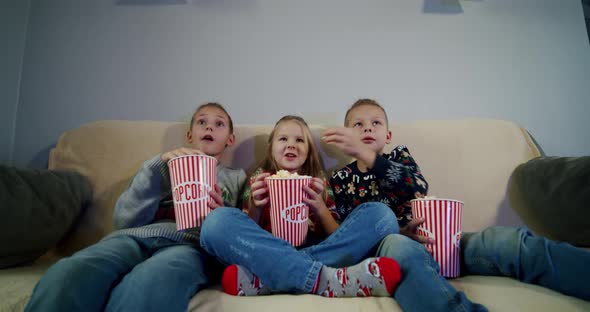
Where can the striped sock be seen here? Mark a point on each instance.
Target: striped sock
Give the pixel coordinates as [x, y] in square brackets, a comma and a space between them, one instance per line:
[238, 281]
[377, 277]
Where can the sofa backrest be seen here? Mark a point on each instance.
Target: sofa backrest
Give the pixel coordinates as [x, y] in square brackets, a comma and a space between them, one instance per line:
[469, 160]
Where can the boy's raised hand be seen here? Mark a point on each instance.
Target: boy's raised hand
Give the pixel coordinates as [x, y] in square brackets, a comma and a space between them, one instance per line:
[180, 152]
[411, 231]
[259, 190]
[216, 199]
[346, 139]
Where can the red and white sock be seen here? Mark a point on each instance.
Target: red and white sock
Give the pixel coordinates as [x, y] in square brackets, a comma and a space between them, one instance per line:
[238, 281]
[377, 277]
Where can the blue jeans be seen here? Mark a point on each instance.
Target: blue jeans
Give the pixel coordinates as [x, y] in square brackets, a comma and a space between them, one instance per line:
[234, 238]
[124, 273]
[497, 251]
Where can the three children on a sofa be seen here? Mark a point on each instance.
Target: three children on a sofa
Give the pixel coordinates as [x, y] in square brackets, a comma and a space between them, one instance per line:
[129, 267]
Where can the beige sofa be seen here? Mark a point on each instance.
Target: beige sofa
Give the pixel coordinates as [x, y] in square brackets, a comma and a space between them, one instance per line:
[470, 160]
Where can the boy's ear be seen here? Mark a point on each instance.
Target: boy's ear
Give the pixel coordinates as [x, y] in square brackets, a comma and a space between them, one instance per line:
[230, 140]
[388, 137]
[189, 136]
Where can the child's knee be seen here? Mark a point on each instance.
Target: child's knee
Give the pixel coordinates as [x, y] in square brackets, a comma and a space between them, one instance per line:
[401, 248]
[215, 224]
[381, 215]
[493, 242]
[376, 209]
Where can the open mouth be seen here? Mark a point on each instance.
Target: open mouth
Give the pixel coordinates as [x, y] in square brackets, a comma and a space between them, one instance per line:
[290, 156]
[207, 138]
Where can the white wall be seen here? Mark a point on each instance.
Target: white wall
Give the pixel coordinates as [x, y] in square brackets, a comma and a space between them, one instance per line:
[522, 60]
[13, 22]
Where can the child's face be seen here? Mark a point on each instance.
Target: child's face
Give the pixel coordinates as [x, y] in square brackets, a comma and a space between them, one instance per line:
[210, 131]
[289, 146]
[369, 121]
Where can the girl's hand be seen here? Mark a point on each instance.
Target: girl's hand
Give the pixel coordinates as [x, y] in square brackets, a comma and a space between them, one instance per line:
[323, 221]
[180, 152]
[315, 201]
[259, 190]
[216, 199]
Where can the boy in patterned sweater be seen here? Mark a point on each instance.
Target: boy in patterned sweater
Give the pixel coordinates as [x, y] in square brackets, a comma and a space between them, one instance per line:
[395, 179]
[391, 178]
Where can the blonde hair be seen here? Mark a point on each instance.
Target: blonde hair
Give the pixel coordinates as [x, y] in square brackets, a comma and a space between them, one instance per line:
[365, 102]
[312, 165]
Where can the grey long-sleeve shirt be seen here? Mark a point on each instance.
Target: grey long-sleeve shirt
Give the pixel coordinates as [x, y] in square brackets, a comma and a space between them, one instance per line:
[150, 190]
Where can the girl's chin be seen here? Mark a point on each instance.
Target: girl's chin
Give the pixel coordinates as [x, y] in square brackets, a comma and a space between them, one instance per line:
[289, 168]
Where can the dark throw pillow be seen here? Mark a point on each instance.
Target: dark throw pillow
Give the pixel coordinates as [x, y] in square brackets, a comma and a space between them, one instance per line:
[552, 196]
[37, 208]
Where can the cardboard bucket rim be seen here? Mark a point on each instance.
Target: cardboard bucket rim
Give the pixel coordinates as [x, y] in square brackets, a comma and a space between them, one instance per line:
[433, 199]
[193, 155]
[291, 178]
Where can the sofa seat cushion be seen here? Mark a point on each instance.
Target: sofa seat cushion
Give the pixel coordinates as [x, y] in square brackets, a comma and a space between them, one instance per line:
[17, 283]
[496, 293]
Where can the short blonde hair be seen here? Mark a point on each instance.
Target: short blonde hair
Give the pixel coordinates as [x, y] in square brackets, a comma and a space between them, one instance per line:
[365, 102]
[216, 105]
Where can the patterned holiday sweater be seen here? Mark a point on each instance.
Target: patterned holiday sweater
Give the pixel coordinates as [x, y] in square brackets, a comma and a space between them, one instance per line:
[265, 217]
[394, 180]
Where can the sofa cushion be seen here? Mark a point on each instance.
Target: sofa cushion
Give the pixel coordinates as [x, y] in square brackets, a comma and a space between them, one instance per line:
[552, 196]
[38, 207]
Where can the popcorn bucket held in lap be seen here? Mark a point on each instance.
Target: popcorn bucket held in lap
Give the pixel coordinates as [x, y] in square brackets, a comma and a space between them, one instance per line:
[443, 223]
[288, 213]
[192, 177]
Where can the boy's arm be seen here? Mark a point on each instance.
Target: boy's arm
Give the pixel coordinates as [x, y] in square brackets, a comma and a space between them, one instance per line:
[400, 177]
[400, 174]
[137, 206]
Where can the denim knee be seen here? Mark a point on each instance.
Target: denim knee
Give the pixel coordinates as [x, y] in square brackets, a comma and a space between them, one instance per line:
[214, 228]
[493, 251]
[401, 248]
[380, 215]
[71, 270]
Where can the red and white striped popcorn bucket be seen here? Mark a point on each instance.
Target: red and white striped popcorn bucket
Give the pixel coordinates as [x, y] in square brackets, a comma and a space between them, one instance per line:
[443, 223]
[288, 213]
[192, 177]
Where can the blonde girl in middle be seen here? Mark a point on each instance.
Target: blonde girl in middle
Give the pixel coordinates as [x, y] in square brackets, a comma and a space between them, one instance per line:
[262, 263]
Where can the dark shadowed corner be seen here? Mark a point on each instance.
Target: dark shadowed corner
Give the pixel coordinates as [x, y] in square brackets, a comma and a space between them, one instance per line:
[40, 160]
